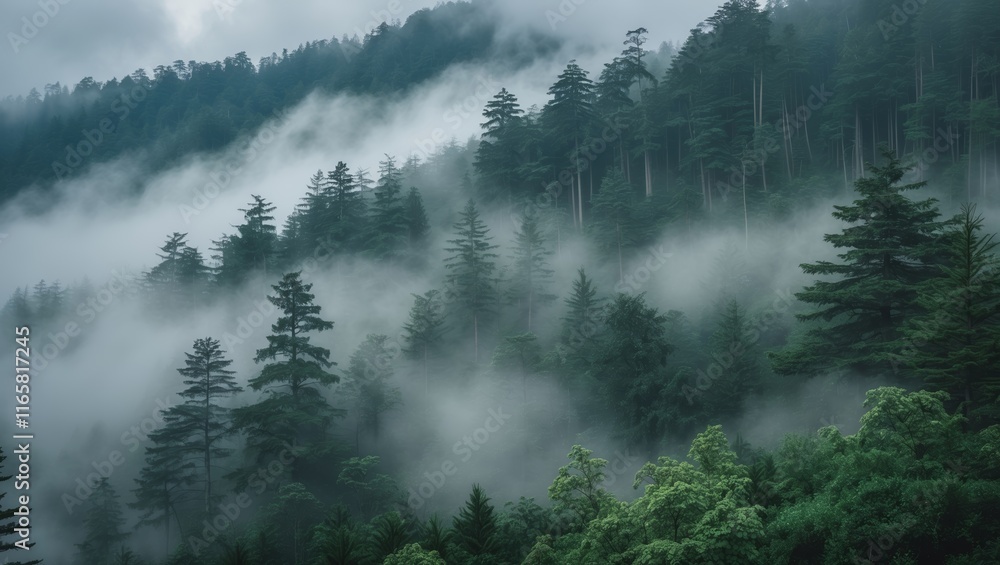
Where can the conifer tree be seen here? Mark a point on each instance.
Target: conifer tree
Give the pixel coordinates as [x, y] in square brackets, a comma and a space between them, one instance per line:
[368, 382]
[389, 228]
[424, 329]
[954, 345]
[293, 415]
[345, 220]
[581, 325]
[613, 225]
[889, 249]
[102, 524]
[476, 525]
[531, 276]
[471, 267]
[416, 221]
[199, 424]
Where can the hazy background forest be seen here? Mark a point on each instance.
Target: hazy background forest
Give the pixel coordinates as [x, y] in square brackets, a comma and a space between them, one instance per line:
[507, 283]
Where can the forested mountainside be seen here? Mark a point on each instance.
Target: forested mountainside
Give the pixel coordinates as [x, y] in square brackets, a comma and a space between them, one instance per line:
[734, 300]
[183, 107]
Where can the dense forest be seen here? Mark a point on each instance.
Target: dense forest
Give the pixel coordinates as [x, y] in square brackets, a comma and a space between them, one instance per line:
[539, 250]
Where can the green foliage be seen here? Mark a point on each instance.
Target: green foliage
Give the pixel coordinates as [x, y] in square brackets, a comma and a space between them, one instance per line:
[294, 415]
[368, 382]
[372, 491]
[413, 554]
[471, 265]
[954, 345]
[103, 525]
[475, 526]
[579, 489]
[531, 276]
[631, 367]
[890, 245]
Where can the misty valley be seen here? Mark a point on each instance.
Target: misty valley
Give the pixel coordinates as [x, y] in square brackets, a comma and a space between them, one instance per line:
[492, 283]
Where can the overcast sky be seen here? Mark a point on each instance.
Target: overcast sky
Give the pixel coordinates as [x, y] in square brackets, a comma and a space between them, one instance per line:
[112, 38]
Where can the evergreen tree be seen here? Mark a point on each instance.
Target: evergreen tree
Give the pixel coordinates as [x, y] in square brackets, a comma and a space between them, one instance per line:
[416, 220]
[739, 359]
[531, 275]
[476, 525]
[613, 227]
[498, 154]
[955, 345]
[389, 229]
[569, 115]
[102, 524]
[368, 383]
[889, 249]
[180, 278]
[631, 368]
[293, 415]
[163, 484]
[471, 266]
[424, 329]
[581, 325]
[345, 221]
[253, 250]
[199, 424]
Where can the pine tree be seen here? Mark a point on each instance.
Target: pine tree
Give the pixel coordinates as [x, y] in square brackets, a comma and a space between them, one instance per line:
[257, 236]
[252, 250]
[305, 225]
[581, 326]
[164, 482]
[955, 345]
[631, 369]
[368, 383]
[179, 280]
[531, 276]
[416, 220]
[613, 225]
[346, 220]
[498, 155]
[471, 266]
[425, 329]
[389, 229]
[740, 361]
[476, 525]
[102, 525]
[890, 246]
[570, 115]
[294, 415]
[199, 424]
